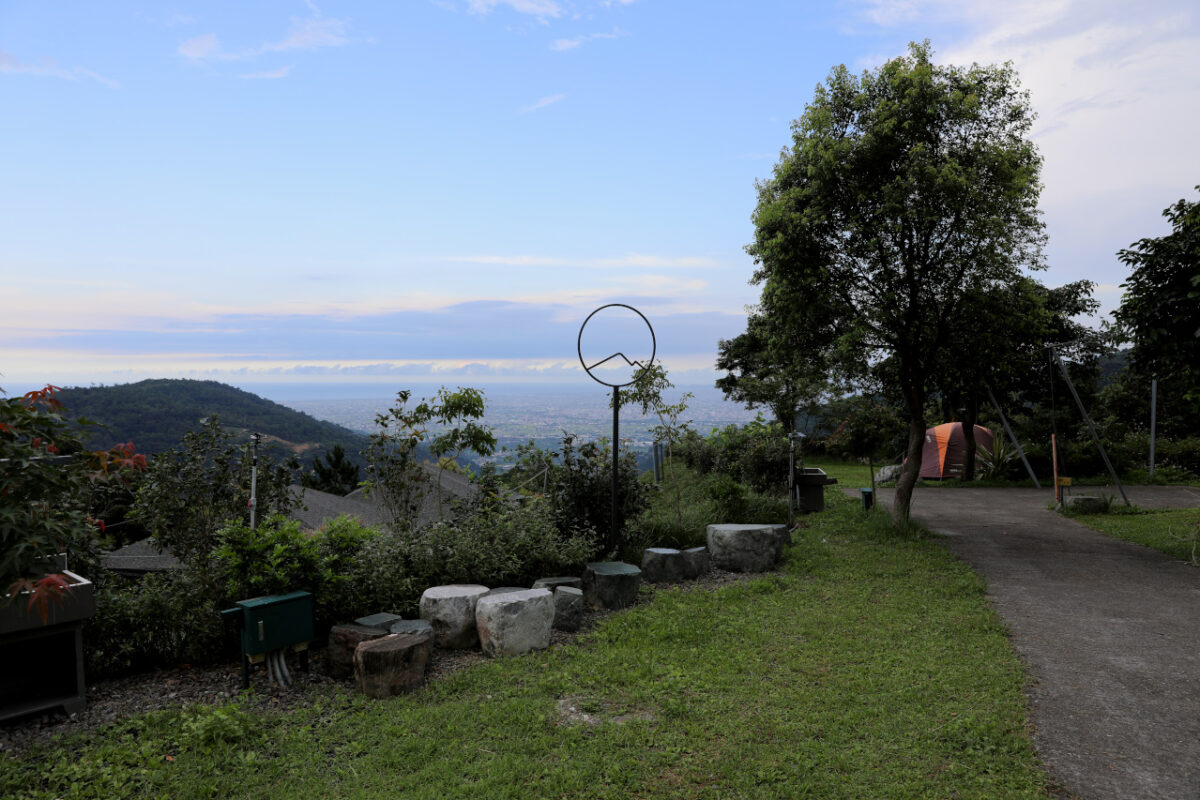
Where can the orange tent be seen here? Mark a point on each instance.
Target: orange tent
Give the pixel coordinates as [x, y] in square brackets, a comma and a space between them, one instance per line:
[945, 452]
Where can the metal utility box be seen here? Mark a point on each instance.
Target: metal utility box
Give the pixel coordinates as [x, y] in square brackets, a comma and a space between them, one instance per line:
[273, 622]
[810, 489]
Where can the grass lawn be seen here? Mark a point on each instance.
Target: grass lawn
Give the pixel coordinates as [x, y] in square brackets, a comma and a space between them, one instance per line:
[866, 668]
[1172, 531]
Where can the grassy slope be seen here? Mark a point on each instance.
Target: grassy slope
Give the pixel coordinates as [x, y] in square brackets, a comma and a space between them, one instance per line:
[866, 668]
[1171, 531]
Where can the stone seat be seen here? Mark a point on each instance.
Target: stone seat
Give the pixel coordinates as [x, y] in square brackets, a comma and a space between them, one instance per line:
[516, 622]
[695, 562]
[662, 565]
[451, 612]
[610, 584]
[568, 608]
[554, 583]
[343, 642]
[746, 548]
[392, 664]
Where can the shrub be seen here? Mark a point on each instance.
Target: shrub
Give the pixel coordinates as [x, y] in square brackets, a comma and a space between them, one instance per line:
[157, 621]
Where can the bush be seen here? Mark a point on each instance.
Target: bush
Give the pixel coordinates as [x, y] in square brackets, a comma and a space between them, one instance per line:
[155, 622]
[511, 545]
[755, 454]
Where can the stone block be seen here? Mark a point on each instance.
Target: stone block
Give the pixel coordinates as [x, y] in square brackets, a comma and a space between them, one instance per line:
[695, 562]
[745, 548]
[610, 584]
[343, 641]
[568, 608]
[512, 623]
[662, 565]
[505, 590]
[420, 626]
[383, 620]
[392, 664]
[451, 612]
[553, 583]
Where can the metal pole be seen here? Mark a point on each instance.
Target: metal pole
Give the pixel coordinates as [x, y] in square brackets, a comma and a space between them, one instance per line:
[791, 476]
[253, 480]
[1012, 436]
[1092, 428]
[1153, 420]
[616, 403]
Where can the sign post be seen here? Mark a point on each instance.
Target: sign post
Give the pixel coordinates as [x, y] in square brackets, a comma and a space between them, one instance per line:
[640, 367]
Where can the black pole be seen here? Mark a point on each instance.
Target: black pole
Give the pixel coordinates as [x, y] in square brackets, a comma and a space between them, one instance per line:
[1013, 436]
[616, 403]
[1091, 428]
[1153, 421]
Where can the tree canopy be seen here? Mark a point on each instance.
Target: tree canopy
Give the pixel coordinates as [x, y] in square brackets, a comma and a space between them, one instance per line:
[905, 191]
[1160, 310]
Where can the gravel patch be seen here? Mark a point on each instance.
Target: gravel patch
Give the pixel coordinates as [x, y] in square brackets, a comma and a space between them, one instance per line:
[115, 700]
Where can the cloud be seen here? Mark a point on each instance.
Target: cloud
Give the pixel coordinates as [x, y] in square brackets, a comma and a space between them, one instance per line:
[537, 8]
[49, 68]
[629, 260]
[273, 74]
[548, 100]
[312, 33]
[563, 45]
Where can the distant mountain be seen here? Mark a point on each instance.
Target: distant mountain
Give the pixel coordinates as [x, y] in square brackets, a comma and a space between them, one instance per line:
[155, 414]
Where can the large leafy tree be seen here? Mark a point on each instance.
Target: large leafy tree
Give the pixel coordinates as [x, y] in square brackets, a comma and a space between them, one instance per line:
[1160, 310]
[784, 370]
[906, 190]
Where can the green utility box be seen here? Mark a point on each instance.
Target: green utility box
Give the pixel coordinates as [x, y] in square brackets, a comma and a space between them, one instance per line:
[273, 622]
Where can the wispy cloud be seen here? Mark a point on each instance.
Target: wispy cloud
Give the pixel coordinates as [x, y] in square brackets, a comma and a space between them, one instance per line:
[562, 45]
[635, 260]
[273, 74]
[538, 8]
[49, 68]
[548, 100]
[312, 33]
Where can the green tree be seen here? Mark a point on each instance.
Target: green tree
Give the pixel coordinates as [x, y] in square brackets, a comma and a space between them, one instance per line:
[866, 429]
[786, 371]
[905, 191]
[192, 491]
[1160, 310]
[394, 464]
[646, 393]
[333, 474]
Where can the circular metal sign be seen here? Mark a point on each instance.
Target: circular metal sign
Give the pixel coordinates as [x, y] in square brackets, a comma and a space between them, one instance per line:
[618, 355]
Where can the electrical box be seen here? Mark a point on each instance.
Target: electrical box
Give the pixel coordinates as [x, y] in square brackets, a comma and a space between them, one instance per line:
[273, 622]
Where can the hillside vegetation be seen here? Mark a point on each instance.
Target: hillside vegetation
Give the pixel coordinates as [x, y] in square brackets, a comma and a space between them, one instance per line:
[155, 414]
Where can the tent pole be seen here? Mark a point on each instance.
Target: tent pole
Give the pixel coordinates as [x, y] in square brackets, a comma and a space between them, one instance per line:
[1012, 436]
[1092, 428]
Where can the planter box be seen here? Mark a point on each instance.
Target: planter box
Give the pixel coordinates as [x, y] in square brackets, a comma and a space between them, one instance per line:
[41, 663]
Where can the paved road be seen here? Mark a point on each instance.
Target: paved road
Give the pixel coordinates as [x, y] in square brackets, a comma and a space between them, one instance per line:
[1109, 631]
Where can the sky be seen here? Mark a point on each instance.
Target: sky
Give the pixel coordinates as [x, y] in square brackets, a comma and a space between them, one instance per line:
[441, 191]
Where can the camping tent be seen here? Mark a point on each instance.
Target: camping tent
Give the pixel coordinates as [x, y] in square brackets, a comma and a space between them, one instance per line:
[945, 452]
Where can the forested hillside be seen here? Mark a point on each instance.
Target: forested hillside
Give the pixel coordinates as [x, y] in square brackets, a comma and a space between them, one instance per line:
[155, 414]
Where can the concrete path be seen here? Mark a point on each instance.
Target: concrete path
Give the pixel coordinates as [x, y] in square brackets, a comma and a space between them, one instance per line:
[1109, 631]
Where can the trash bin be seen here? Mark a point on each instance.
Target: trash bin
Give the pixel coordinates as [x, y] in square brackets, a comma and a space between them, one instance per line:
[810, 489]
[868, 498]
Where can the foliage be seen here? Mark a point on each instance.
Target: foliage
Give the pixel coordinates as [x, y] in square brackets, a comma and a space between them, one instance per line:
[785, 370]
[193, 490]
[1175, 532]
[1160, 309]
[577, 480]
[335, 474]
[670, 431]
[157, 621]
[866, 429]
[904, 192]
[48, 484]
[394, 465]
[755, 454]
[157, 413]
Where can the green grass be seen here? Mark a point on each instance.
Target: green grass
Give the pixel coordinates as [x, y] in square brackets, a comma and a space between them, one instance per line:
[1172, 531]
[849, 474]
[869, 667]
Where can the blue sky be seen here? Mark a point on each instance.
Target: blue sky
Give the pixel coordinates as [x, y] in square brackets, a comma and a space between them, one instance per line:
[442, 190]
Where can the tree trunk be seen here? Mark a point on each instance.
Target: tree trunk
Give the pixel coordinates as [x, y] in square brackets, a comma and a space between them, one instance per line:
[912, 464]
[970, 414]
